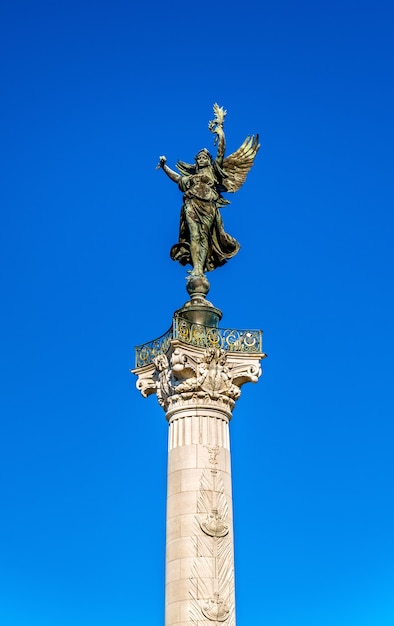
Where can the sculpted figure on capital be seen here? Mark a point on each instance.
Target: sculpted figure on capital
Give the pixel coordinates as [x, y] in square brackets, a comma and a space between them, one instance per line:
[203, 243]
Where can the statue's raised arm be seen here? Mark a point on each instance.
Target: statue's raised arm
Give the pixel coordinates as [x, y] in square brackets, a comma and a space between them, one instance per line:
[216, 127]
[203, 242]
[162, 164]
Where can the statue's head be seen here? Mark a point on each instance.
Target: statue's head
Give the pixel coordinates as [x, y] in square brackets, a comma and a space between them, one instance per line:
[203, 158]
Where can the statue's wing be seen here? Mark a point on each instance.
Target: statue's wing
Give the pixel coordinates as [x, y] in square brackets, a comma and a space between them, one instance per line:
[185, 168]
[237, 165]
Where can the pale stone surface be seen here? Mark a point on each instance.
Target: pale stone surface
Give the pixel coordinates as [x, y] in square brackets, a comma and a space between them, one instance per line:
[175, 485]
[186, 566]
[182, 458]
[173, 527]
[198, 389]
[177, 590]
[192, 550]
[190, 479]
[199, 428]
[184, 501]
[179, 548]
[173, 613]
[173, 571]
[187, 524]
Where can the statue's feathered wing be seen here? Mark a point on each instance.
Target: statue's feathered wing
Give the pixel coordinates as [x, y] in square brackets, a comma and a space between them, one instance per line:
[235, 168]
[237, 165]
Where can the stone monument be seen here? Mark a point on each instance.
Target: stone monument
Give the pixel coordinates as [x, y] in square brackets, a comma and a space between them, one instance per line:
[196, 371]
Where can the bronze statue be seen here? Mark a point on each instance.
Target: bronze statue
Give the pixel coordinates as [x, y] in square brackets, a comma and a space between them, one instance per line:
[203, 242]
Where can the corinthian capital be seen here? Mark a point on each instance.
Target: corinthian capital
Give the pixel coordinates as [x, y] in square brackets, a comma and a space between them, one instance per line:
[187, 374]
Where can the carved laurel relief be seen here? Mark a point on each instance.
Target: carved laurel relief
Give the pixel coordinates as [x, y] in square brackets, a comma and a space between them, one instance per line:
[212, 580]
[212, 504]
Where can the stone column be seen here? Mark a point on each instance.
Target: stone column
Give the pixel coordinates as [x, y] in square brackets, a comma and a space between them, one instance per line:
[198, 388]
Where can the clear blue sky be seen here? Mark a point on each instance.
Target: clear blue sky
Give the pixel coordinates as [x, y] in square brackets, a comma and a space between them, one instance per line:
[91, 94]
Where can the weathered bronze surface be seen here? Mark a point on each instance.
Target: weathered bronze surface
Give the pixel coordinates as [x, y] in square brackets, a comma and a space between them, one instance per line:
[203, 242]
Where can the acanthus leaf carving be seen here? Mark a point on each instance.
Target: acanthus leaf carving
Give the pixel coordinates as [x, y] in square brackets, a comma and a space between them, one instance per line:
[184, 376]
[208, 376]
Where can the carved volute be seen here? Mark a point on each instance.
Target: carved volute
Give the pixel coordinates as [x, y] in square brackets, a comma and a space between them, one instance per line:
[188, 375]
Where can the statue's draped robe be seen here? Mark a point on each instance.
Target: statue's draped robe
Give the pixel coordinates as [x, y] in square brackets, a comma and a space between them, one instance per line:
[201, 200]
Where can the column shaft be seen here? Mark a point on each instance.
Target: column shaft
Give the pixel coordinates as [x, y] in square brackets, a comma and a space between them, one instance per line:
[199, 545]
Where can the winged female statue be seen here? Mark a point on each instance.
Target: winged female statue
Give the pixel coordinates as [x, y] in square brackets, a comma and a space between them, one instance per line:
[203, 242]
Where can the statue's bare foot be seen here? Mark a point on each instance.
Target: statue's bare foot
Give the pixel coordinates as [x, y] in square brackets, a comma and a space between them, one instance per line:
[195, 273]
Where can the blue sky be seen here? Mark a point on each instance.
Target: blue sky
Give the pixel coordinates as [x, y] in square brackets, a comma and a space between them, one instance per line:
[91, 94]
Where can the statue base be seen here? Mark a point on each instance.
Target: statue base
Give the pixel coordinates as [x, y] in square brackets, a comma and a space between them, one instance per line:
[197, 286]
[198, 309]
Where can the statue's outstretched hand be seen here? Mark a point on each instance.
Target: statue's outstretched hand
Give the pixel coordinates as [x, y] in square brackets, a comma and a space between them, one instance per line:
[162, 161]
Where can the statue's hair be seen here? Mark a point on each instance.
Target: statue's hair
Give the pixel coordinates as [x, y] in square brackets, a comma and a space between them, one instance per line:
[206, 151]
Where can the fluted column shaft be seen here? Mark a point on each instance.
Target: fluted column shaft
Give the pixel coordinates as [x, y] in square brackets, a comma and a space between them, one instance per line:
[199, 546]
